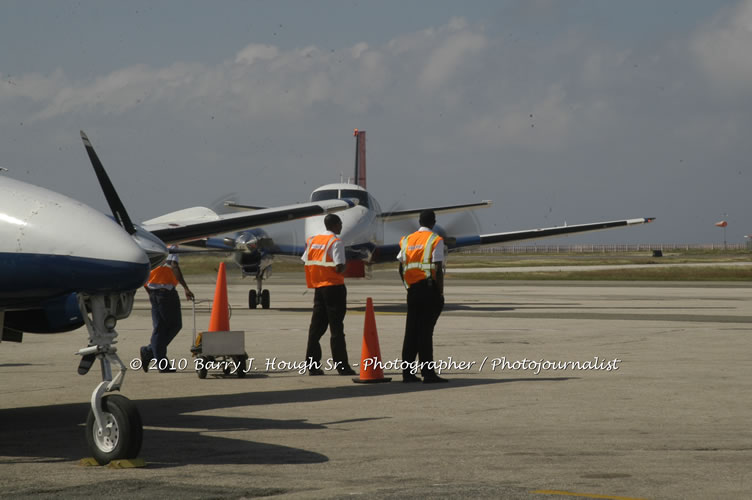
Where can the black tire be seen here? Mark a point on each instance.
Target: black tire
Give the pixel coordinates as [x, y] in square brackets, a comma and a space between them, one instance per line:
[227, 369]
[126, 431]
[252, 299]
[202, 372]
[266, 299]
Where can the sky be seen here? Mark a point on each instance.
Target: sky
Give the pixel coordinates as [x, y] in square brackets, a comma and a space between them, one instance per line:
[557, 111]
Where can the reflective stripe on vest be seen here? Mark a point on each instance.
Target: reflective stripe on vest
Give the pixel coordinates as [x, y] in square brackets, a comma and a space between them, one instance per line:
[417, 249]
[162, 276]
[319, 265]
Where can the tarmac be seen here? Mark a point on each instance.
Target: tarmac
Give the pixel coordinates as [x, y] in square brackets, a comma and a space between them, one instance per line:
[557, 390]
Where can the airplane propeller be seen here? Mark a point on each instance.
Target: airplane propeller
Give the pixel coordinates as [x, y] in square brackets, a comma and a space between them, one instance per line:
[113, 200]
[448, 226]
[152, 246]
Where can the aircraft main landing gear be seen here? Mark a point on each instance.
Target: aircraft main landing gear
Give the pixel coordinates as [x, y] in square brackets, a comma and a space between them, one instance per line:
[113, 427]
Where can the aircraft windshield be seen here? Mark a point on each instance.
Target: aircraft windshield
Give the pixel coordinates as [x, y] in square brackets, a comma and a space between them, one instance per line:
[333, 194]
[325, 194]
[361, 196]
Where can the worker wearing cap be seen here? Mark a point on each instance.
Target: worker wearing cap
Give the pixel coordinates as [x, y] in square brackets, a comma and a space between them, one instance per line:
[422, 259]
[325, 261]
[166, 315]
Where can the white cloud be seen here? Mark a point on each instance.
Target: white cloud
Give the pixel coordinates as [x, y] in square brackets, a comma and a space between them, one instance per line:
[723, 48]
[445, 60]
[266, 81]
[256, 52]
[117, 92]
[545, 124]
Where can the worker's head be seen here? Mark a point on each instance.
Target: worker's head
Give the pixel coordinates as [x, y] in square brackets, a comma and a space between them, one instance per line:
[333, 223]
[427, 218]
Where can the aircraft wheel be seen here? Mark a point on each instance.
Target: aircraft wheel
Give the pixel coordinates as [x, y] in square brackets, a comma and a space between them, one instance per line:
[266, 299]
[123, 431]
[252, 299]
[202, 372]
[227, 369]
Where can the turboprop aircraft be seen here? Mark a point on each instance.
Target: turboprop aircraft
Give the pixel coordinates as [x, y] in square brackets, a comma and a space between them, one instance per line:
[363, 231]
[63, 265]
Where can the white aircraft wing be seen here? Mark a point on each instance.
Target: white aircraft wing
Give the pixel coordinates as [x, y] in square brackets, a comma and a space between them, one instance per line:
[534, 234]
[385, 253]
[199, 222]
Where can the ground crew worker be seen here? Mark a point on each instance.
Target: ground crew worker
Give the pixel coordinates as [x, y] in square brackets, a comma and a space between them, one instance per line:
[421, 259]
[324, 259]
[166, 317]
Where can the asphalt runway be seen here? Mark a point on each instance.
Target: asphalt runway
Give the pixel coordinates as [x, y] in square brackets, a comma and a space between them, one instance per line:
[596, 390]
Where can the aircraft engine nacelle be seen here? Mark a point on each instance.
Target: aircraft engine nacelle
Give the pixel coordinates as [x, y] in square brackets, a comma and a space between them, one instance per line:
[448, 240]
[253, 252]
[56, 315]
[253, 241]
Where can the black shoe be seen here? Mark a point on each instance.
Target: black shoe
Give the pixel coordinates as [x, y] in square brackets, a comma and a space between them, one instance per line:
[346, 370]
[168, 370]
[432, 378]
[408, 378]
[145, 358]
[315, 371]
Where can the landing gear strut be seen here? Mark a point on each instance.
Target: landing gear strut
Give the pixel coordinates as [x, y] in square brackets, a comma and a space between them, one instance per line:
[113, 427]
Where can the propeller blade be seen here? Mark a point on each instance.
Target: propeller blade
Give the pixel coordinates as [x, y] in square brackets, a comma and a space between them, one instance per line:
[113, 200]
[463, 224]
[402, 226]
[219, 205]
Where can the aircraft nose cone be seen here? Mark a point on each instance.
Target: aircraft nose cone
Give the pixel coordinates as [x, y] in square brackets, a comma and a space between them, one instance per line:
[111, 258]
[62, 245]
[154, 248]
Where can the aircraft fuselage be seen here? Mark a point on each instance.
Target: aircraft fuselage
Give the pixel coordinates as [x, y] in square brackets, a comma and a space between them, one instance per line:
[52, 245]
[360, 224]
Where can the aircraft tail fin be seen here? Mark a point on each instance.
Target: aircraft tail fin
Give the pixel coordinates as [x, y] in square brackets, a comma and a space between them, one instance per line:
[360, 157]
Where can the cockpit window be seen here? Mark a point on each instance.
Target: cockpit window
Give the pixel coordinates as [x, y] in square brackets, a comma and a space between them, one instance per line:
[361, 196]
[324, 194]
[333, 194]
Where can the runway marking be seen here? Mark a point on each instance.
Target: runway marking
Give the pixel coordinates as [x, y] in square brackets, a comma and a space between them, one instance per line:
[582, 495]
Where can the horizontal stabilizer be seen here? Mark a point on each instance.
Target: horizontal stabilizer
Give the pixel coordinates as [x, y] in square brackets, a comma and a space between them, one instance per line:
[232, 204]
[415, 212]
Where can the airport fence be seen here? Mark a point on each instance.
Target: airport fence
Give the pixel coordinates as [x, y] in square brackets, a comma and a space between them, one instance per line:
[607, 248]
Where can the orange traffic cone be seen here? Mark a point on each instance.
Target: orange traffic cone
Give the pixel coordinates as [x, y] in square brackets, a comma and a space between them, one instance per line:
[371, 370]
[220, 315]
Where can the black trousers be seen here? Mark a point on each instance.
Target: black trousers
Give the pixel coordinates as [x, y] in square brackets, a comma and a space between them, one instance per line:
[329, 308]
[424, 306]
[166, 318]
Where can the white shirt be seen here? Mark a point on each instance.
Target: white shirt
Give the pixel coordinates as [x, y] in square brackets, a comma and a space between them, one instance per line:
[438, 254]
[336, 251]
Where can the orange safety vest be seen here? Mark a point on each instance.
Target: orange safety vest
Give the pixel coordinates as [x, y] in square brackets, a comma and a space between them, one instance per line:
[162, 275]
[319, 265]
[417, 249]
